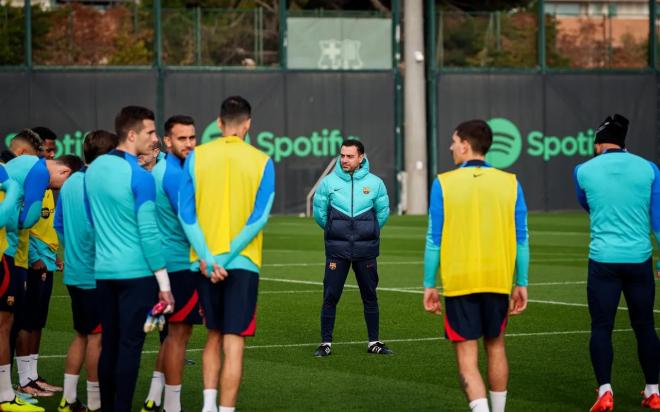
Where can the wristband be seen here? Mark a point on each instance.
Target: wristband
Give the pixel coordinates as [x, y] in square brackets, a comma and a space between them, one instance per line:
[163, 280]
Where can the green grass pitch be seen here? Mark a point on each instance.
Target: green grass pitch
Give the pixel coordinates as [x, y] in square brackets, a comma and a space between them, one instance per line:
[547, 345]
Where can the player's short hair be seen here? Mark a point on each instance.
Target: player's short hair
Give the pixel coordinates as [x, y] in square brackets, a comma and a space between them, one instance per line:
[235, 109]
[45, 133]
[477, 133]
[178, 119]
[130, 118]
[29, 137]
[73, 162]
[97, 143]
[355, 143]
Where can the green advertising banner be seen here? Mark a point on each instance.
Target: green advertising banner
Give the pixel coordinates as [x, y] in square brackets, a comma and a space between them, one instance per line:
[339, 43]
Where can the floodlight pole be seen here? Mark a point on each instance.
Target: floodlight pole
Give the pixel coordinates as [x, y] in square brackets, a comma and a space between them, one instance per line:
[415, 154]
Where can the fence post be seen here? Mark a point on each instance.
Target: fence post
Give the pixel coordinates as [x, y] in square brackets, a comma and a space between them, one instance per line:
[431, 92]
[653, 38]
[540, 38]
[283, 35]
[27, 36]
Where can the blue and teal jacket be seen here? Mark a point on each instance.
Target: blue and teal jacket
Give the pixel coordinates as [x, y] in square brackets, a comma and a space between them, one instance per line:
[122, 198]
[621, 193]
[74, 228]
[176, 249]
[10, 193]
[31, 175]
[351, 208]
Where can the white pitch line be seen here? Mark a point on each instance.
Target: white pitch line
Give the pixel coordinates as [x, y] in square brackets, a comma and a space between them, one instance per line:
[418, 292]
[427, 339]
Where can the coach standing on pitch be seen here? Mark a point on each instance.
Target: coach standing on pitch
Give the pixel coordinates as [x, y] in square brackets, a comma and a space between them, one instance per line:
[477, 236]
[351, 205]
[621, 192]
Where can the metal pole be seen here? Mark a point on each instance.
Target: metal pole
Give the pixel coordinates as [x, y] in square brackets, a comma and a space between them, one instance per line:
[158, 43]
[160, 74]
[198, 35]
[540, 40]
[415, 153]
[653, 38]
[398, 97]
[27, 36]
[431, 92]
[283, 34]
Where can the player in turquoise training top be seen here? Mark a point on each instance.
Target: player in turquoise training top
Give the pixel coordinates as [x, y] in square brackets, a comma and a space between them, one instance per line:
[180, 140]
[122, 199]
[621, 193]
[75, 230]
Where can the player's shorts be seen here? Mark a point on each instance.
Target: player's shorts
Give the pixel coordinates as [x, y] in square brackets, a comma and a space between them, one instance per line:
[477, 315]
[86, 310]
[34, 312]
[12, 285]
[230, 306]
[186, 297]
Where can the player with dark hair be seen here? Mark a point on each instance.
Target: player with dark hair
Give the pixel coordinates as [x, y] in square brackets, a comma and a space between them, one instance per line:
[351, 205]
[226, 238]
[128, 264]
[76, 233]
[180, 140]
[34, 175]
[477, 237]
[621, 193]
[43, 261]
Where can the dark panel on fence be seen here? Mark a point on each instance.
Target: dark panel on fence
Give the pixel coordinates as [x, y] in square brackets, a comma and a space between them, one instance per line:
[298, 118]
[544, 124]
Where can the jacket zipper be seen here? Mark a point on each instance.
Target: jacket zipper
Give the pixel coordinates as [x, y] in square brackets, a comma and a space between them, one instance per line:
[352, 217]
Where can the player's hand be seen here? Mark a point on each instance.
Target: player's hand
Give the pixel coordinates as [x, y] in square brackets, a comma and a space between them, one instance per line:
[518, 302]
[59, 263]
[39, 265]
[432, 302]
[219, 274]
[169, 298]
[657, 274]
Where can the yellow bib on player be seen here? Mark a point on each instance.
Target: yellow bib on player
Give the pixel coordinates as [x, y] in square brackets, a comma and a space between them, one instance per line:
[478, 249]
[227, 175]
[43, 229]
[4, 243]
[22, 248]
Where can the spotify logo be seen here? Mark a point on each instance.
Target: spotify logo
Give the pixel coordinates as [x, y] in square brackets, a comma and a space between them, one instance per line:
[507, 143]
[322, 143]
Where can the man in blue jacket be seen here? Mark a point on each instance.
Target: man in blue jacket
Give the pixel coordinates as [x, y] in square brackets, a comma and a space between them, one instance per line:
[351, 205]
[621, 193]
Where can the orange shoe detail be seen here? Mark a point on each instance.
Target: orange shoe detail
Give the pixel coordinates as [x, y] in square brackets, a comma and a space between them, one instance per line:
[604, 404]
[652, 402]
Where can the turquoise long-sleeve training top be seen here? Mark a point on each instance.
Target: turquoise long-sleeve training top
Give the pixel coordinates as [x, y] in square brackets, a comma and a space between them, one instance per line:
[122, 199]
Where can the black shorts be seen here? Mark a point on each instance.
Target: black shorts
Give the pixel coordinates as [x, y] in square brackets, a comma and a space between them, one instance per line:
[12, 285]
[34, 311]
[230, 306]
[86, 311]
[472, 316]
[186, 298]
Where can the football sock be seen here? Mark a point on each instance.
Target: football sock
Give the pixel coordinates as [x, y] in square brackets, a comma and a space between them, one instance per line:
[6, 391]
[34, 374]
[93, 396]
[172, 402]
[327, 343]
[23, 368]
[650, 390]
[227, 409]
[210, 396]
[70, 387]
[479, 405]
[604, 388]
[498, 401]
[156, 388]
